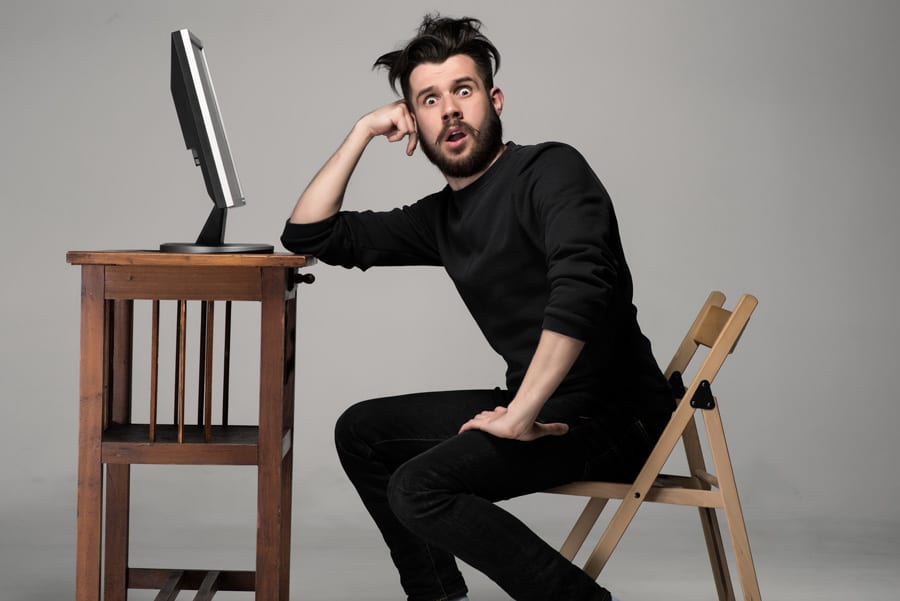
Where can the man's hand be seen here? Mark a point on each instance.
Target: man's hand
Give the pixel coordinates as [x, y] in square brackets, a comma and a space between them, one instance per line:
[552, 360]
[394, 122]
[504, 424]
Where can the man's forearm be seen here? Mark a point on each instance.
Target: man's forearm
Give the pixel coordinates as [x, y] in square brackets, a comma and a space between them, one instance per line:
[553, 358]
[324, 195]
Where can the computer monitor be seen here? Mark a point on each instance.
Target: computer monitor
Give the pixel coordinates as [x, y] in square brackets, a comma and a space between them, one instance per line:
[204, 135]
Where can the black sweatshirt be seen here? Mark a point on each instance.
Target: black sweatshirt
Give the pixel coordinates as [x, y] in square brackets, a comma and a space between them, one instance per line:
[532, 244]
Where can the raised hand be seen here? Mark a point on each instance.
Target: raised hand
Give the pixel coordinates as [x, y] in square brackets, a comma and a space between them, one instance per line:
[393, 121]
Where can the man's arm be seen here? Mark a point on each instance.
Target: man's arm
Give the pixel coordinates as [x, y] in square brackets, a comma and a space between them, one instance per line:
[324, 195]
[552, 360]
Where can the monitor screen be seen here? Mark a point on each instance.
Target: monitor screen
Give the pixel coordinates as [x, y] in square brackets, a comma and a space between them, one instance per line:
[204, 135]
[201, 119]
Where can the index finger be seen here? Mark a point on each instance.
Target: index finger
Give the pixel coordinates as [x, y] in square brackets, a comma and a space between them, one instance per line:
[413, 134]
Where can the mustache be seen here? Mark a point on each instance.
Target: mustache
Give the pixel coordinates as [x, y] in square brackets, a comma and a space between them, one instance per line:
[458, 124]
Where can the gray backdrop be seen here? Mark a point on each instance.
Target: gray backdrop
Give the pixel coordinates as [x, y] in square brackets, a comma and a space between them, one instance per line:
[747, 147]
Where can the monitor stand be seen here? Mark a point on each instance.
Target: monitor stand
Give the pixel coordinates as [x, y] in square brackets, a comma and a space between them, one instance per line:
[212, 239]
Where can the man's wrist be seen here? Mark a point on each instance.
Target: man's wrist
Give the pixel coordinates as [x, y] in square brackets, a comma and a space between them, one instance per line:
[362, 131]
[520, 414]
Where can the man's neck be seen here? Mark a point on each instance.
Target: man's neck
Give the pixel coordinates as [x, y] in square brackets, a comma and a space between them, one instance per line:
[458, 183]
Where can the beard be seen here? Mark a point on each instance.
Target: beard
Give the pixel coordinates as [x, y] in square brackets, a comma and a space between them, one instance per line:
[486, 144]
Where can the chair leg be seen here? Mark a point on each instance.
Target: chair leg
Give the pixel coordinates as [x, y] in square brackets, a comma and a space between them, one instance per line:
[582, 527]
[734, 516]
[716, 551]
[708, 518]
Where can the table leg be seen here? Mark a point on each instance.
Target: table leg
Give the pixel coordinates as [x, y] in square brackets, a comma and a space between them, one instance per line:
[118, 477]
[271, 506]
[288, 464]
[90, 430]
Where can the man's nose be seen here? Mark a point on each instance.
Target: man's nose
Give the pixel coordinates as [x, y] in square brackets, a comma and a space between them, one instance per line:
[451, 111]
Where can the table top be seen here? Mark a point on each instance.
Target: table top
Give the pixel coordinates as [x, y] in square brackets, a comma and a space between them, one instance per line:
[164, 259]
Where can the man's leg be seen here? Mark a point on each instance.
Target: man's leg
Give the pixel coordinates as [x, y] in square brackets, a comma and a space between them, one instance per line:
[373, 439]
[446, 495]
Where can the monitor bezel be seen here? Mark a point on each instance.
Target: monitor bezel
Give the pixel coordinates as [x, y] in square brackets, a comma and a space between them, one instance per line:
[220, 173]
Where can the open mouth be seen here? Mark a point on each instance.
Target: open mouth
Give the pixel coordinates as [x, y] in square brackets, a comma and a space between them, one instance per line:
[454, 134]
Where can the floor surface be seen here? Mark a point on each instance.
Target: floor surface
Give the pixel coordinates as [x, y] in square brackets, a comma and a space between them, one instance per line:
[661, 557]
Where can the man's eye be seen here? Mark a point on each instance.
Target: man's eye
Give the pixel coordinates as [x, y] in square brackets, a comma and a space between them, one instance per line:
[429, 101]
[465, 91]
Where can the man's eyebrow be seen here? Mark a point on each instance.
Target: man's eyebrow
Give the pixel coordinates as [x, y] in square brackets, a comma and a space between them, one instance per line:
[425, 91]
[456, 82]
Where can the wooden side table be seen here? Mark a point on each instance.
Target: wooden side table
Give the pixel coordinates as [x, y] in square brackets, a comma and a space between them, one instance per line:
[111, 282]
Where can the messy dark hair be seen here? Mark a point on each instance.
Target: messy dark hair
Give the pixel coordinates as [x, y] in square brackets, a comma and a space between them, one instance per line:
[438, 39]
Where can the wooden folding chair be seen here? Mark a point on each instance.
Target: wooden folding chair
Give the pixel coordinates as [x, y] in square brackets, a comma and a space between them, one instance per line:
[719, 330]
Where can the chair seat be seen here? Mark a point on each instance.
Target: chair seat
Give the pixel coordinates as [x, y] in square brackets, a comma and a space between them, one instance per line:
[674, 490]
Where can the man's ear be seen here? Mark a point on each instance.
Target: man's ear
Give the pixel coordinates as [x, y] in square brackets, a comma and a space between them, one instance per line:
[497, 99]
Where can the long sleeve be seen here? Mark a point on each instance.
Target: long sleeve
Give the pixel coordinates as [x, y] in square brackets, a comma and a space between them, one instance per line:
[585, 268]
[402, 236]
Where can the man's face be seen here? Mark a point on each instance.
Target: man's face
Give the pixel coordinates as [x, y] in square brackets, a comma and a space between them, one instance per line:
[458, 120]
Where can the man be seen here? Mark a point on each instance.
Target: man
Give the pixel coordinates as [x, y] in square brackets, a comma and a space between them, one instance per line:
[529, 237]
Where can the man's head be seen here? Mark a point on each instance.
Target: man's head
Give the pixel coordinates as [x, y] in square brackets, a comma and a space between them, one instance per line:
[446, 74]
[438, 39]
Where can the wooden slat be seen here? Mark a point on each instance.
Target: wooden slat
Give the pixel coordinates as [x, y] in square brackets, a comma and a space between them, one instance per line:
[711, 325]
[172, 587]
[181, 342]
[192, 580]
[208, 371]
[154, 368]
[674, 496]
[688, 346]
[120, 364]
[226, 368]
[706, 477]
[201, 367]
[208, 587]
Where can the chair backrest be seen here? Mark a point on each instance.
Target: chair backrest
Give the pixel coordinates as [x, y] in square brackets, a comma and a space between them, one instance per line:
[715, 328]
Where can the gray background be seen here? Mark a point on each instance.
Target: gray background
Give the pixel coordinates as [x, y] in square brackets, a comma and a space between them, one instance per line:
[747, 146]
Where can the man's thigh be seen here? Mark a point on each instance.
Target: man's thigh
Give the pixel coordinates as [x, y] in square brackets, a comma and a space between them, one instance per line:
[400, 427]
[496, 469]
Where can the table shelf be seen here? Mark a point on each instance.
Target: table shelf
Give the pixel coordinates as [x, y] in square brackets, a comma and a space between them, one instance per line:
[230, 445]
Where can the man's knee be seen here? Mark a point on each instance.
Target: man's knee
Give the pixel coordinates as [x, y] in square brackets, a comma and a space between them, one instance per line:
[349, 430]
[415, 496]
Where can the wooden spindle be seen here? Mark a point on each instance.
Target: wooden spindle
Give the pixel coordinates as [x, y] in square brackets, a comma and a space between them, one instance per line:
[154, 369]
[208, 369]
[201, 379]
[179, 380]
[226, 371]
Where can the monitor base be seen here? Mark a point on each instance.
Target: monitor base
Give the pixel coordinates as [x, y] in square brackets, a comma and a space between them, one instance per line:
[230, 248]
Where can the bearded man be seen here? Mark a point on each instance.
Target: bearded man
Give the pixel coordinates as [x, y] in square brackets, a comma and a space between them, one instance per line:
[529, 238]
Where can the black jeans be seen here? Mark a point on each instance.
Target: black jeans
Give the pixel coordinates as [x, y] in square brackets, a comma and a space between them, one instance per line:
[432, 492]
